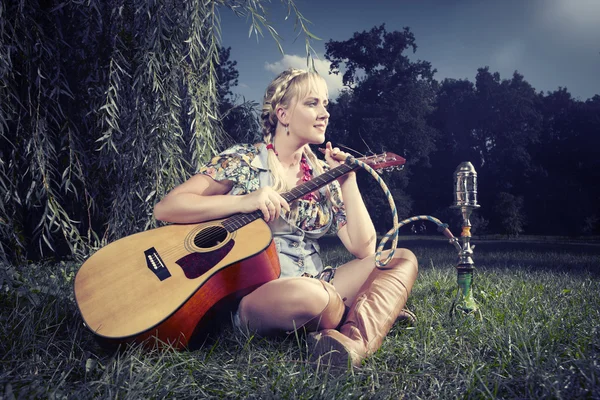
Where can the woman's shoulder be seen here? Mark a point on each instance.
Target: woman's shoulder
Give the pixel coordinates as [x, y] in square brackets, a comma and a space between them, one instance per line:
[243, 153]
[249, 150]
[235, 164]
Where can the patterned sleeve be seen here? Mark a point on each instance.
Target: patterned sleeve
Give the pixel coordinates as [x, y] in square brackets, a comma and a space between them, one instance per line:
[234, 164]
[337, 203]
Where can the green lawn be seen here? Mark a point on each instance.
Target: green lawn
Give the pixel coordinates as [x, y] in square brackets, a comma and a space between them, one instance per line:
[538, 337]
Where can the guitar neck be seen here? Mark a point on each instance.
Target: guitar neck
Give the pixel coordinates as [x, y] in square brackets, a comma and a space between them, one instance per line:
[237, 221]
[317, 182]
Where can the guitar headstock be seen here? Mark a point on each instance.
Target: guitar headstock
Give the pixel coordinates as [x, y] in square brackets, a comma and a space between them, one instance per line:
[384, 162]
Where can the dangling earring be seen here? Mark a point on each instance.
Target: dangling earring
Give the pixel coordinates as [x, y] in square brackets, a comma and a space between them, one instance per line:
[287, 129]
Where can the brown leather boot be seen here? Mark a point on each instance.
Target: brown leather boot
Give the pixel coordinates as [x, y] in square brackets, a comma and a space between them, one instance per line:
[379, 302]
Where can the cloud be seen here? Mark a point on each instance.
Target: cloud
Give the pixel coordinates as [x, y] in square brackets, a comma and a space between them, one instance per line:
[509, 55]
[574, 18]
[334, 82]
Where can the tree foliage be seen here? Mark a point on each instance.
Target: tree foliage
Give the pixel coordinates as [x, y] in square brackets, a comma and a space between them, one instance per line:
[104, 107]
[535, 153]
[240, 120]
[566, 159]
[533, 148]
[386, 104]
[509, 209]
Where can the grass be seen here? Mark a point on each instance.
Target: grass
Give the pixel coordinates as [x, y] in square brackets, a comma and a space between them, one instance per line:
[538, 337]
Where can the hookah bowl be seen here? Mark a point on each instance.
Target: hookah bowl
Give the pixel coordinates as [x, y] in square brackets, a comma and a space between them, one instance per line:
[465, 199]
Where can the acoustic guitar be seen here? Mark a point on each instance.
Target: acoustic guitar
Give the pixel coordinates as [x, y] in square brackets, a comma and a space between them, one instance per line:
[157, 286]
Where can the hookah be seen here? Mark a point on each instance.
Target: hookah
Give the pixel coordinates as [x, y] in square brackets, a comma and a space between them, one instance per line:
[465, 199]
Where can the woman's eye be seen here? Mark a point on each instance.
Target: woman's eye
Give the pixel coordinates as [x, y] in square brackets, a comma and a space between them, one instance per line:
[316, 103]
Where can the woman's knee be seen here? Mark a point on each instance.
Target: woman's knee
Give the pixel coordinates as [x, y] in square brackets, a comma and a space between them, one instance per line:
[291, 303]
[282, 305]
[403, 258]
[315, 304]
[408, 255]
[405, 267]
[306, 295]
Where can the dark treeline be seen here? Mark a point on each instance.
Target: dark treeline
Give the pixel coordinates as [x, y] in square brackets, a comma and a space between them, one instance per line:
[105, 106]
[536, 153]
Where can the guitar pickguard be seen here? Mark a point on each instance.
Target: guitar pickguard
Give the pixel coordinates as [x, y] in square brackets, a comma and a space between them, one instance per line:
[197, 264]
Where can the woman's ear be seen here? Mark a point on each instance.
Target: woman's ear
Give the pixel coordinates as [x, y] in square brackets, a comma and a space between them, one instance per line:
[282, 115]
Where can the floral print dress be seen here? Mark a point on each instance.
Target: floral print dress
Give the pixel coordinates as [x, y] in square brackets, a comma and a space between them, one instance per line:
[242, 164]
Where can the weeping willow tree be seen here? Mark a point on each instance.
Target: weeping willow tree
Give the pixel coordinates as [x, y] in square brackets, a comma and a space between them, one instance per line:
[104, 107]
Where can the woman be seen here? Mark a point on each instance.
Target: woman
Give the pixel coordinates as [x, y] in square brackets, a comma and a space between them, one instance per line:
[349, 315]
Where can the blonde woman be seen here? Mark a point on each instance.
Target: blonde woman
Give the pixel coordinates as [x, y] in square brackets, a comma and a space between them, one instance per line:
[348, 309]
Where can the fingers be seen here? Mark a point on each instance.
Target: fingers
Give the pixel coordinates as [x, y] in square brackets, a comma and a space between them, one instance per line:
[284, 204]
[334, 152]
[329, 149]
[271, 203]
[265, 211]
[333, 155]
[273, 210]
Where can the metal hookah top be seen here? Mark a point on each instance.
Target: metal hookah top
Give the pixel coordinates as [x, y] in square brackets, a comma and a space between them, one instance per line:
[465, 186]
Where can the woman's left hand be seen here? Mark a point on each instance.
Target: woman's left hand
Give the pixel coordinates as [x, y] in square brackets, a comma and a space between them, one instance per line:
[335, 157]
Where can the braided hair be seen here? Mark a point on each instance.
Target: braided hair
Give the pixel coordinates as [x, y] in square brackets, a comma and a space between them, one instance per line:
[291, 83]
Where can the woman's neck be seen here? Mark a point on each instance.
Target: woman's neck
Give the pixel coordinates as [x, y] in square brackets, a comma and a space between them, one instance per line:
[288, 152]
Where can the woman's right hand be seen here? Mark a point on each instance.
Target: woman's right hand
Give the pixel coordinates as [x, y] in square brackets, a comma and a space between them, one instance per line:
[265, 199]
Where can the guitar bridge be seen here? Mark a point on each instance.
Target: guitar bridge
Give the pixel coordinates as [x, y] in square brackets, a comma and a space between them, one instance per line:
[156, 264]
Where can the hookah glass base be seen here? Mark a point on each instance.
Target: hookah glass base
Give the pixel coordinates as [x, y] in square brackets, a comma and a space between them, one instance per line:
[464, 303]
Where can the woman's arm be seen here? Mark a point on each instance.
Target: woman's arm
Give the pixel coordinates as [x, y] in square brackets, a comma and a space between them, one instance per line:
[358, 235]
[202, 199]
[199, 199]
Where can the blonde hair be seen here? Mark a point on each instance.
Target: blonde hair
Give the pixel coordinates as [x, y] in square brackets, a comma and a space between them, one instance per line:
[291, 83]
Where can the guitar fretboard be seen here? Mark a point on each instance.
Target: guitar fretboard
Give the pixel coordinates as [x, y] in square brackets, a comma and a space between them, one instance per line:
[237, 221]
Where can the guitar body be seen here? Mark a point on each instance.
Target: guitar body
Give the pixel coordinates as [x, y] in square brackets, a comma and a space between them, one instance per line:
[162, 282]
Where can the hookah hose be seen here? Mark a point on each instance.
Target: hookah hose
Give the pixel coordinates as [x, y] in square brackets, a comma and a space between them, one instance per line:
[393, 233]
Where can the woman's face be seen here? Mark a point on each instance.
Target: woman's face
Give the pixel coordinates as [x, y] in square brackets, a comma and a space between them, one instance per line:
[308, 116]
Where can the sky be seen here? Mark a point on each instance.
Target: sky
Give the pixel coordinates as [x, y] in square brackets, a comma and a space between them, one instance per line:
[552, 43]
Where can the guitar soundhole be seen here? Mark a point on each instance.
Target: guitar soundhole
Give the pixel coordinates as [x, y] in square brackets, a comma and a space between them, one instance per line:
[210, 237]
